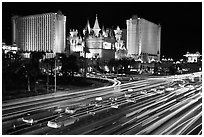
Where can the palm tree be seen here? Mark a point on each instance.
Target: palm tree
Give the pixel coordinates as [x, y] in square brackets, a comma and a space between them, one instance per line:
[35, 58]
[46, 64]
[111, 64]
[69, 65]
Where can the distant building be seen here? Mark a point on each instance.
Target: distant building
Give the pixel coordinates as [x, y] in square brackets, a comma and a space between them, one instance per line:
[9, 48]
[192, 57]
[41, 32]
[143, 39]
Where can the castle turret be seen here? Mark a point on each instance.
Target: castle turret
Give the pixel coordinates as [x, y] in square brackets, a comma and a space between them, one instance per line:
[96, 27]
[88, 28]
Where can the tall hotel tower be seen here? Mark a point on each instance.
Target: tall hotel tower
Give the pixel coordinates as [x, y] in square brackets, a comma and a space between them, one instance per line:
[143, 39]
[42, 32]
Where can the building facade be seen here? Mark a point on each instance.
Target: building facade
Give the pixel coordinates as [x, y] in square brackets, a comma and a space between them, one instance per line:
[143, 39]
[76, 43]
[9, 48]
[120, 50]
[42, 32]
[192, 57]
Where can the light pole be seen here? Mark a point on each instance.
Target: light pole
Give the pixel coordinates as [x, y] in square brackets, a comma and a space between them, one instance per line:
[55, 73]
[85, 48]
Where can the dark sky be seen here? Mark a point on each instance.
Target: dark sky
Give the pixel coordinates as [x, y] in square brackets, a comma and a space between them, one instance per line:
[181, 22]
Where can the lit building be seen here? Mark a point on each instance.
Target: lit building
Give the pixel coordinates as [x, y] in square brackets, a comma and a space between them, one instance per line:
[100, 45]
[9, 48]
[192, 57]
[143, 39]
[42, 32]
[76, 42]
[119, 44]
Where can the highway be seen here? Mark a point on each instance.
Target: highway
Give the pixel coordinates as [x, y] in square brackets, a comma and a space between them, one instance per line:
[154, 106]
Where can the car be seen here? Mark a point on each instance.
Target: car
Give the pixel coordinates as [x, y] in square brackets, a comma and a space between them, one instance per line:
[143, 92]
[29, 120]
[161, 87]
[91, 113]
[58, 110]
[131, 100]
[191, 87]
[113, 99]
[69, 111]
[34, 117]
[153, 90]
[114, 105]
[127, 95]
[181, 85]
[130, 90]
[53, 124]
[97, 105]
[98, 98]
[160, 91]
[62, 120]
[169, 89]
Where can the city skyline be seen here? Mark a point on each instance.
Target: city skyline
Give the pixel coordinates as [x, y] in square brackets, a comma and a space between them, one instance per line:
[181, 23]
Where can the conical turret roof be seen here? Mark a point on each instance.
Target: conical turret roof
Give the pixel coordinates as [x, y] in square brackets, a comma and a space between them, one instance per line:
[88, 26]
[96, 25]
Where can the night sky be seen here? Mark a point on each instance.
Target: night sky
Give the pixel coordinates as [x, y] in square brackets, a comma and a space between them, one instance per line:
[181, 22]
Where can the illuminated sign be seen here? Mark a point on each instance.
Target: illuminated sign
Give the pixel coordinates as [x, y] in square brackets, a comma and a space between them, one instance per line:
[106, 45]
[77, 48]
[96, 45]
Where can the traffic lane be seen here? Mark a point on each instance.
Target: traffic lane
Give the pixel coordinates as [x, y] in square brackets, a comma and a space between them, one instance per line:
[40, 117]
[54, 100]
[196, 130]
[177, 121]
[136, 128]
[48, 102]
[134, 106]
[33, 117]
[117, 124]
[123, 100]
[82, 115]
[69, 101]
[168, 117]
[91, 126]
[44, 106]
[176, 129]
[191, 126]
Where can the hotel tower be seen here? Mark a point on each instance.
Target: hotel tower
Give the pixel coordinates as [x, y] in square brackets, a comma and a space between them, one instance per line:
[143, 39]
[42, 32]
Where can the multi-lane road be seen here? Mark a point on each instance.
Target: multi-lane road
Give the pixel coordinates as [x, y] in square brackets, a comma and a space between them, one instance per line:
[165, 105]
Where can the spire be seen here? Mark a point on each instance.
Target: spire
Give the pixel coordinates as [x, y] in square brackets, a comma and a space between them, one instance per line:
[103, 28]
[103, 31]
[96, 27]
[88, 27]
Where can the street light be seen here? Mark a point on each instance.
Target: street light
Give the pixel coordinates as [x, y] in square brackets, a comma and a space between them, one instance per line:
[85, 48]
[55, 72]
